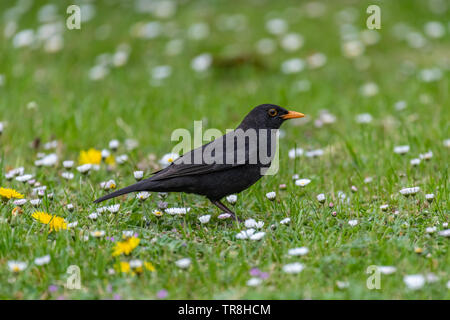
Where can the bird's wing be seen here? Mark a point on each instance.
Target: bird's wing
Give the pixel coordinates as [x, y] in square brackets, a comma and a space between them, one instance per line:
[195, 162]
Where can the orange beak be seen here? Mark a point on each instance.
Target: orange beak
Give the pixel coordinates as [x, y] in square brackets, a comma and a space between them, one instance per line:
[292, 115]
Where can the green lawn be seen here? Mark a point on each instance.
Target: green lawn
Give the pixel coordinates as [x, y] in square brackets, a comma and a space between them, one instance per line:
[47, 93]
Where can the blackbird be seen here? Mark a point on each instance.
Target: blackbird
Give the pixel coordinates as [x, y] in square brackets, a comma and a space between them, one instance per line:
[227, 165]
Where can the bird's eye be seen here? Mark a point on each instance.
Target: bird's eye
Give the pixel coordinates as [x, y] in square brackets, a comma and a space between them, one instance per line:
[272, 112]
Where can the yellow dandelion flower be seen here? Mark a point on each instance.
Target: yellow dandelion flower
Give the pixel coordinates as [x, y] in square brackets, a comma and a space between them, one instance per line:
[56, 223]
[92, 156]
[126, 246]
[10, 193]
[110, 160]
[149, 266]
[124, 267]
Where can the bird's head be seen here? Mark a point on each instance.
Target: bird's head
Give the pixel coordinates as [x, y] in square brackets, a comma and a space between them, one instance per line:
[268, 116]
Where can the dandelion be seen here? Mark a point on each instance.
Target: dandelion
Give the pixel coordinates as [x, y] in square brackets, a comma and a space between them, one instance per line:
[285, 221]
[295, 267]
[7, 193]
[254, 282]
[183, 263]
[205, 218]
[231, 199]
[143, 195]
[167, 159]
[138, 175]
[414, 281]
[302, 182]
[125, 247]
[40, 261]
[16, 266]
[353, 222]
[55, 223]
[401, 149]
[251, 223]
[91, 156]
[298, 251]
[271, 195]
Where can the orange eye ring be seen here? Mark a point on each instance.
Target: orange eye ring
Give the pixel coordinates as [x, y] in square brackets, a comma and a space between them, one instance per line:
[272, 112]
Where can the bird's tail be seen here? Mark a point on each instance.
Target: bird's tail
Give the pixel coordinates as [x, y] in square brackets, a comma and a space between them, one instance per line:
[140, 186]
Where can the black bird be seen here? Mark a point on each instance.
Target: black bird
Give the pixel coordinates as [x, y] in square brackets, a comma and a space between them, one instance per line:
[227, 165]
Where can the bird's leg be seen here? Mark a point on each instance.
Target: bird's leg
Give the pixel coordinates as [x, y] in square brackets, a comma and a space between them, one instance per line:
[221, 206]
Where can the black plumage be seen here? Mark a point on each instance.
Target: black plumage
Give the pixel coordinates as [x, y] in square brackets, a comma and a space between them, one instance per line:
[224, 166]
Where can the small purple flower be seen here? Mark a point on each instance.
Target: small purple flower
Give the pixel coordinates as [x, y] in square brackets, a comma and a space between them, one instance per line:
[52, 288]
[110, 238]
[117, 297]
[255, 272]
[62, 297]
[264, 275]
[109, 288]
[136, 235]
[162, 294]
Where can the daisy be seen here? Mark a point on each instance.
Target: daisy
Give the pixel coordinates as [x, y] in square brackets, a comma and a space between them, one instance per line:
[122, 159]
[254, 282]
[201, 62]
[368, 179]
[157, 213]
[387, 269]
[224, 216]
[20, 202]
[414, 281]
[285, 221]
[205, 218]
[167, 159]
[353, 222]
[127, 233]
[42, 260]
[352, 49]
[401, 149]
[251, 223]
[434, 29]
[321, 198]
[342, 284]
[114, 144]
[426, 156]
[131, 144]
[400, 105]
[113, 208]
[198, 31]
[138, 175]
[67, 175]
[107, 185]
[295, 267]
[47, 161]
[24, 178]
[292, 42]
[72, 224]
[93, 216]
[16, 266]
[69, 207]
[183, 263]
[143, 195]
[85, 168]
[444, 233]
[257, 236]
[245, 234]
[316, 60]
[294, 153]
[35, 202]
[314, 153]
[231, 199]
[364, 118]
[384, 207]
[302, 182]
[276, 26]
[98, 233]
[298, 251]
[271, 195]
[294, 65]
[415, 162]
[409, 191]
[68, 164]
[266, 46]
[430, 229]
[429, 197]
[173, 211]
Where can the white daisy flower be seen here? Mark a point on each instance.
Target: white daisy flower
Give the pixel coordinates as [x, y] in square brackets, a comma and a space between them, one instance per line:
[128, 233]
[167, 159]
[98, 233]
[131, 144]
[321, 198]
[447, 143]
[266, 46]
[122, 159]
[138, 175]
[342, 284]
[173, 211]
[387, 269]
[50, 145]
[364, 118]
[426, 156]
[316, 60]
[24, 38]
[295, 267]
[198, 31]
[292, 42]
[271, 195]
[384, 207]
[444, 233]
[161, 72]
[42, 260]
[47, 161]
[16, 266]
[135, 263]
[114, 144]
[143, 195]
[301, 251]
[352, 49]
[105, 154]
[257, 236]
[232, 198]
[276, 26]
[429, 197]
[296, 152]
[400, 105]
[205, 218]
[17, 171]
[67, 175]
[314, 153]
[183, 263]
[295, 177]
[294, 65]
[430, 229]
[85, 168]
[70, 207]
[434, 29]
[369, 89]
[353, 222]
[251, 223]
[285, 221]
[254, 282]
[113, 208]
[107, 185]
[409, 191]
[93, 216]
[414, 281]
[401, 149]
[98, 72]
[302, 182]
[20, 202]
[24, 178]
[35, 202]
[414, 162]
[224, 216]
[201, 62]
[430, 75]
[72, 224]
[245, 234]
[157, 213]
[68, 164]
[368, 179]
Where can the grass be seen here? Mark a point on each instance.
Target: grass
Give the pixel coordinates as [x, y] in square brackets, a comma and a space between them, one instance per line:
[81, 113]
